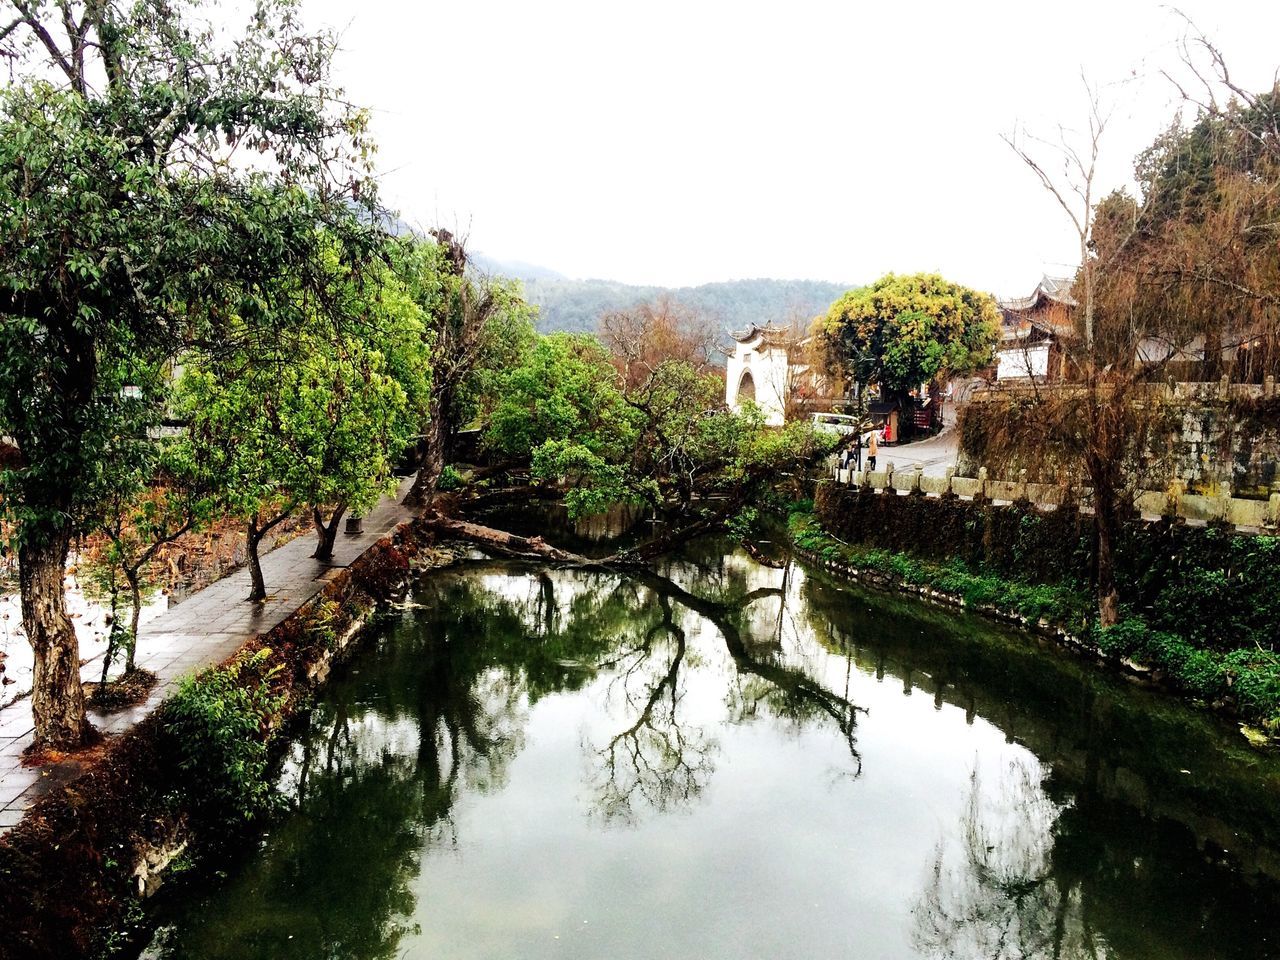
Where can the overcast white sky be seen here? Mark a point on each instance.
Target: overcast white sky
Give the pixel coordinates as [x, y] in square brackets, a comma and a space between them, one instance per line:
[682, 142]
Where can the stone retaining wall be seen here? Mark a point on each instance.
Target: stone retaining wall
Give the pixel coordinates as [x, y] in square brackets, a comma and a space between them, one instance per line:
[1244, 514]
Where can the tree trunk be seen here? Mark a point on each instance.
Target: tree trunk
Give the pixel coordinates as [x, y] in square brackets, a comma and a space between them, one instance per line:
[109, 655]
[326, 534]
[254, 532]
[507, 544]
[1212, 365]
[435, 453]
[253, 536]
[1108, 595]
[57, 699]
[135, 597]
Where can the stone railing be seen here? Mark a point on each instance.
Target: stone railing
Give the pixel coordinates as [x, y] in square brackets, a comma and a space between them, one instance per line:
[1248, 515]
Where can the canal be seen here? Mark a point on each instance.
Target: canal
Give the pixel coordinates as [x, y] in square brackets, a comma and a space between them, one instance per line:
[726, 760]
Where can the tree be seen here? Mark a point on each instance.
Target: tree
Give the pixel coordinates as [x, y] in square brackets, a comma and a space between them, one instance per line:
[669, 444]
[134, 150]
[1197, 248]
[479, 325]
[562, 408]
[1111, 424]
[644, 336]
[171, 496]
[903, 331]
[314, 419]
[1159, 274]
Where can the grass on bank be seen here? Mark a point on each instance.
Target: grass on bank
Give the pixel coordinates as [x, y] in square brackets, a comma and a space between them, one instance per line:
[1247, 679]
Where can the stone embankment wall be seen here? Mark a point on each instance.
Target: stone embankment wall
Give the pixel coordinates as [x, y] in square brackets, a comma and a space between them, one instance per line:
[1222, 441]
[1211, 584]
[74, 872]
[1176, 501]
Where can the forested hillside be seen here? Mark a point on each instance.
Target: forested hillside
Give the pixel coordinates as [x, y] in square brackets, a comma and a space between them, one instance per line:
[576, 305]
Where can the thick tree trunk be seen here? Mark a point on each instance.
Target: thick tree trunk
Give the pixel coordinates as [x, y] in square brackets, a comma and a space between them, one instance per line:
[253, 536]
[432, 461]
[326, 533]
[507, 544]
[1108, 595]
[57, 699]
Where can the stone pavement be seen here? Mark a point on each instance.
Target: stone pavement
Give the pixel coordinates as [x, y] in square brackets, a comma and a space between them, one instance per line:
[933, 455]
[202, 630]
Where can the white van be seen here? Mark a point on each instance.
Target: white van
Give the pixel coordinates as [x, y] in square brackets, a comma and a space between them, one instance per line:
[841, 423]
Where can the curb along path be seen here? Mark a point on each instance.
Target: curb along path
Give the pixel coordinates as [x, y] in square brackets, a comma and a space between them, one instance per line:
[201, 631]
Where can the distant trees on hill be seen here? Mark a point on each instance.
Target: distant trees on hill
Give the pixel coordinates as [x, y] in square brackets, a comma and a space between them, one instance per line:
[578, 305]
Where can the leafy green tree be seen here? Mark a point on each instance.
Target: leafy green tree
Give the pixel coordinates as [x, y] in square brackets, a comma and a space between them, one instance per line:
[171, 494]
[562, 406]
[317, 419]
[668, 443]
[903, 331]
[126, 231]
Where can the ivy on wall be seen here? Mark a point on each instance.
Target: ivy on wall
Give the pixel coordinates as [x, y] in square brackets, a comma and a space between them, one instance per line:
[1216, 588]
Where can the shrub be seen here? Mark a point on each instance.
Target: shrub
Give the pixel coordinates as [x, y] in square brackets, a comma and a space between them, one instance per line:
[220, 722]
[450, 479]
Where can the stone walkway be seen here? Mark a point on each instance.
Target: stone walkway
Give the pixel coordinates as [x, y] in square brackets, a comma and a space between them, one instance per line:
[933, 455]
[202, 630]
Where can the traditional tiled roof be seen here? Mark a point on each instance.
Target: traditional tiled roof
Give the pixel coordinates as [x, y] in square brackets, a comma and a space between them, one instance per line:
[770, 333]
[1023, 317]
[1054, 289]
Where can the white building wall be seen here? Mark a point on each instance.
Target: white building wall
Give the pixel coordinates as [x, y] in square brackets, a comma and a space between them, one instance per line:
[1019, 363]
[769, 371]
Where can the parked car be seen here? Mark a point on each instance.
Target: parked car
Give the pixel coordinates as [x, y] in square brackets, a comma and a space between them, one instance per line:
[841, 423]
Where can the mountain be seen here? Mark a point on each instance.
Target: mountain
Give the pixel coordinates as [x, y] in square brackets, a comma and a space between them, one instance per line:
[576, 305]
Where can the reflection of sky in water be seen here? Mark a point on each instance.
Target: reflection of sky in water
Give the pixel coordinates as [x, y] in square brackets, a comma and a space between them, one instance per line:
[634, 777]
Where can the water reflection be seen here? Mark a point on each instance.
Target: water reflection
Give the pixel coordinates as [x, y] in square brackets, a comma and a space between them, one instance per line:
[660, 754]
[995, 889]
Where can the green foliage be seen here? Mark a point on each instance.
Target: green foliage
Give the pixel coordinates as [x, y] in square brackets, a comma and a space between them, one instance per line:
[745, 523]
[1213, 586]
[563, 406]
[318, 416]
[1202, 602]
[903, 331]
[220, 722]
[1060, 605]
[450, 478]
[167, 237]
[1248, 677]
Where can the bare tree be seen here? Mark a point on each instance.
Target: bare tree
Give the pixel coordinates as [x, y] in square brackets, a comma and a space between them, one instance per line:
[644, 336]
[477, 323]
[1103, 421]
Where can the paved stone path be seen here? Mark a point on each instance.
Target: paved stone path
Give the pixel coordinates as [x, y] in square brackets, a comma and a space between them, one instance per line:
[202, 630]
[933, 456]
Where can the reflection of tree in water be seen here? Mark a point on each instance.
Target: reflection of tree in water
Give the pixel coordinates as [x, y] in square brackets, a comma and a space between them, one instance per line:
[439, 708]
[657, 761]
[1002, 893]
[375, 778]
[660, 760]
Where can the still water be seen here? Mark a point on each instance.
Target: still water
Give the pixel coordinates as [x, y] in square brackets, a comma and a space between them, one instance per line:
[725, 760]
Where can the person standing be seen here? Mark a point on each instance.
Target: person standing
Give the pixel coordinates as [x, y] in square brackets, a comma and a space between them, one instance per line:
[873, 448]
[857, 452]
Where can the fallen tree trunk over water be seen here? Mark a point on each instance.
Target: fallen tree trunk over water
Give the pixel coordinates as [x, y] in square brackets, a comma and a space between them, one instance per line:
[504, 543]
